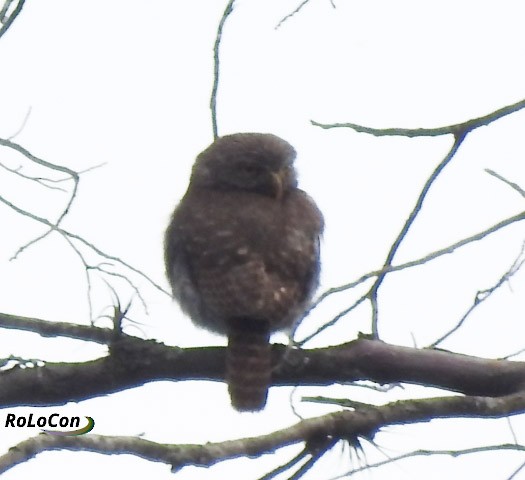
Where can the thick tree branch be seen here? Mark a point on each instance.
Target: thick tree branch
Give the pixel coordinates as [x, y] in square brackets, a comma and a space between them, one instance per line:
[133, 362]
[345, 425]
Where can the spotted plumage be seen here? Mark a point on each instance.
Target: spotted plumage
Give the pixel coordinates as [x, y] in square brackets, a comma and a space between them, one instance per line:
[242, 253]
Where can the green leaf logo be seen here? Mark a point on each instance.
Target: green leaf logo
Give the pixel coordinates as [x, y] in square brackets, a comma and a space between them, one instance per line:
[72, 433]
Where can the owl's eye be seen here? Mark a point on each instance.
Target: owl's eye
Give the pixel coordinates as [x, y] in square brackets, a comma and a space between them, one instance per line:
[250, 169]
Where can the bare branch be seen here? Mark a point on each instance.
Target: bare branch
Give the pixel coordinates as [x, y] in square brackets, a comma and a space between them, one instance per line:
[460, 132]
[286, 466]
[331, 427]
[483, 295]
[513, 354]
[458, 139]
[513, 185]
[59, 168]
[216, 67]
[71, 174]
[7, 19]
[39, 180]
[46, 328]
[317, 449]
[53, 226]
[455, 129]
[330, 323]
[291, 14]
[22, 125]
[427, 453]
[115, 259]
[518, 470]
[133, 362]
[420, 261]
[69, 235]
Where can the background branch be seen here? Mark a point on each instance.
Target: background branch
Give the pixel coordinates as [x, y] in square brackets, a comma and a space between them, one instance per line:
[458, 139]
[216, 68]
[342, 425]
[454, 129]
[6, 18]
[413, 263]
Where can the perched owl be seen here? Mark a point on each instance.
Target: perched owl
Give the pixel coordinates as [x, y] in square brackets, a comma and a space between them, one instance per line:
[242, 253]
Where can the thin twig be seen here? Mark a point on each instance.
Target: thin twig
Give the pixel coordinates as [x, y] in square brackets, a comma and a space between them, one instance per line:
[291, 14]
[513, 185]
[286, 466]
[512, 432]
[41, 181]
[332, 322]
[216, 68]
[518, 470]
[454, 129]
[328, 444]
[420, 261]
[483, 295]
[419, 453]
[71, 173]
[22, 125]
[458, 139]
[514, 354]
[69, 235]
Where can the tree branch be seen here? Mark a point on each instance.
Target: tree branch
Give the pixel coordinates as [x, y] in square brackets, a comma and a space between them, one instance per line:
[291, 14]
[412, 263]
[133, 362]
[7, 19]
[427, 453]
[454, 129]
[458, 139]
[216, 68]
[344, 425]
[58, 329]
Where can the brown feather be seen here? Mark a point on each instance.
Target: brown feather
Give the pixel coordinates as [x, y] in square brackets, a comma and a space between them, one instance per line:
[242, 253]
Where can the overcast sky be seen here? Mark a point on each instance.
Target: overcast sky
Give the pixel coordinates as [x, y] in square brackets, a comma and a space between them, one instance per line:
[127, 84]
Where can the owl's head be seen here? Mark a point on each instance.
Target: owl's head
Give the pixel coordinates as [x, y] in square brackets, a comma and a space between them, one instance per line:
[255, 162]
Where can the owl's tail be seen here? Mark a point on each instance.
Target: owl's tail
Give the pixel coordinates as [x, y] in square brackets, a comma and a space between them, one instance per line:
[248, 363]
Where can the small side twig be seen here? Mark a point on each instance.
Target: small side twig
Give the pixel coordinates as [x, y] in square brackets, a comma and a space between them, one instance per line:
[330, 323]
[513, 185]
[286, 466]
[428, 453]
[483, 295]
[216, 67]
[291, 14]
[417, 262]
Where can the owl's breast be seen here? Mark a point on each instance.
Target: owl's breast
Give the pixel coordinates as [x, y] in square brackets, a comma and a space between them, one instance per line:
[244, 254]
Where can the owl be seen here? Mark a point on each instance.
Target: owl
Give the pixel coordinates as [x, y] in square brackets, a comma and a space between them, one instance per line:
[242, 253]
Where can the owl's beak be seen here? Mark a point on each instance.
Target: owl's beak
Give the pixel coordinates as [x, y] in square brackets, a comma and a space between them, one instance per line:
[278, 183]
